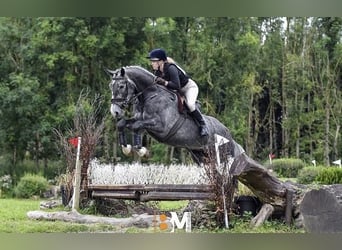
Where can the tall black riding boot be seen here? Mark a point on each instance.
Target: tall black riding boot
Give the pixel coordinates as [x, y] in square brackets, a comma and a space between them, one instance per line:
[199, 118]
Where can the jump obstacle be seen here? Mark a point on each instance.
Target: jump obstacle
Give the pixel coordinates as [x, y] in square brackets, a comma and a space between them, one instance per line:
[153, 192]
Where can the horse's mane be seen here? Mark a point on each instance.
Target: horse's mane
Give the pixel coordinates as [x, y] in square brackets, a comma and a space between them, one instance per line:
[137, 68]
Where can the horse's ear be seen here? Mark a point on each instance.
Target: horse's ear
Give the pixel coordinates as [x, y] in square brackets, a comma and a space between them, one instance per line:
[122, 72]
[108, 71]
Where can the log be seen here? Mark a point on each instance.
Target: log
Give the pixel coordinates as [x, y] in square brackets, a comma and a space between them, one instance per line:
[315, 210]
[141, 221]
[321, 209]
[264, 213]
[174, 196]
[153, 187]
[261, 182]
[131, 195]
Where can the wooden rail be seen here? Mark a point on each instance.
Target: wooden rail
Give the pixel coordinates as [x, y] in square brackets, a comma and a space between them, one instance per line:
[156, 192]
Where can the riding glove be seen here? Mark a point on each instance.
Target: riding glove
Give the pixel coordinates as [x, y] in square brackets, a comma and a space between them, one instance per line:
[160, 81]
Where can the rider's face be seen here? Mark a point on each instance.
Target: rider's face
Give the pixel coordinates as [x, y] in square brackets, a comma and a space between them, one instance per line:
[156, 65]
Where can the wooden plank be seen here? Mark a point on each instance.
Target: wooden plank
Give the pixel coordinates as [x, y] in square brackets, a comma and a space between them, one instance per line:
[116, 195]
[174, 196]
[133, 187]
[179, 188]
[153, 187]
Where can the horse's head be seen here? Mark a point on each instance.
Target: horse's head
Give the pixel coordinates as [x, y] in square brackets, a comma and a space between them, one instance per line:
[126, 85]
[122, 89]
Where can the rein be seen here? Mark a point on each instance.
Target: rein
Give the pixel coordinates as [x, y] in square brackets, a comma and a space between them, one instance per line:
[127, 101]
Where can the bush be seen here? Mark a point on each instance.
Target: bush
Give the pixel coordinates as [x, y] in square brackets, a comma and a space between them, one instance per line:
[308, 175]
[330, 175]
[287, 167]
[5, 184]
[30, 185]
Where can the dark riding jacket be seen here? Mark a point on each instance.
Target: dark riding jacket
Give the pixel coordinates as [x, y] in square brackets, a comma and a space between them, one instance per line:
[176, 78]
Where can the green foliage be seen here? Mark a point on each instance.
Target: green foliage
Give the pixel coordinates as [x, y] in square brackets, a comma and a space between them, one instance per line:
[5, 185]
[330, 175]
[159, 152]
[172, 205]
[242, 225]
[308, 175]
[243, 190]
[31, 185]
[270, 80]
[287, 167]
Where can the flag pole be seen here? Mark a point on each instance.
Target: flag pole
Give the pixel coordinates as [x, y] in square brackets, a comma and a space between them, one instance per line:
[76, 200]
[220, 140]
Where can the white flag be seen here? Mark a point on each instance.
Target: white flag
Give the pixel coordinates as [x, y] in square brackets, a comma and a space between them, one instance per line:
[220, 139]
[338, 162]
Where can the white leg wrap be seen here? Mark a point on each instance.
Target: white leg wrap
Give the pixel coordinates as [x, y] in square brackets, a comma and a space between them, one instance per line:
[126, 150]
[142, 151]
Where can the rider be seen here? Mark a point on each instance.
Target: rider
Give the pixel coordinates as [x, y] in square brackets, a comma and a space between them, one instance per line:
[170, 75]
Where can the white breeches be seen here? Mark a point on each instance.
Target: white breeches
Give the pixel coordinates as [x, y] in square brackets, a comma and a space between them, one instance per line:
[190, 91]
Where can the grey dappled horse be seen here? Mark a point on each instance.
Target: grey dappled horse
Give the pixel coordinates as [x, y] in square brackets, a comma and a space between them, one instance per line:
[156, 112]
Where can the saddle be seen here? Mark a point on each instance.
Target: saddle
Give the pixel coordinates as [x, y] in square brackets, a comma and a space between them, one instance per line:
[181, 102]
[182, 107]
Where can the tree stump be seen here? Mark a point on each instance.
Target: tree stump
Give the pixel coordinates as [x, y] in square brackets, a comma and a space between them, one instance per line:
[322, 209]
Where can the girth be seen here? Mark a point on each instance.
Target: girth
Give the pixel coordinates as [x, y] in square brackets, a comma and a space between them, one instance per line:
[174, 128]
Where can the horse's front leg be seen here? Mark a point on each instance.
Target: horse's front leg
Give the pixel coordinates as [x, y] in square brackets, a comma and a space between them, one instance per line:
[138, 126]
[126, 148]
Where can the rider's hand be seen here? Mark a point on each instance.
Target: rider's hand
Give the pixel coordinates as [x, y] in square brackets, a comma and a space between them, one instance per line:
[160, 81]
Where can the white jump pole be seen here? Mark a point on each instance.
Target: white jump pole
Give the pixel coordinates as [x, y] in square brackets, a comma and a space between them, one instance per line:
[77, 182]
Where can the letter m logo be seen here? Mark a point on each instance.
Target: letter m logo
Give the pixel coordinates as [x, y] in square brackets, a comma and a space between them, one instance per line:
[186, 220]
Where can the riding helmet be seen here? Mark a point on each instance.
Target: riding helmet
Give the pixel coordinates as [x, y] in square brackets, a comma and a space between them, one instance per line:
[157, 55]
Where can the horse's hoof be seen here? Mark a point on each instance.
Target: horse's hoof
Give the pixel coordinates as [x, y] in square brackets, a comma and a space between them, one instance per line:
[127, 150]
[142, 151]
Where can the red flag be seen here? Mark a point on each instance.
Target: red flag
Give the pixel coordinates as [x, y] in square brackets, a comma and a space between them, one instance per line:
[74, 141]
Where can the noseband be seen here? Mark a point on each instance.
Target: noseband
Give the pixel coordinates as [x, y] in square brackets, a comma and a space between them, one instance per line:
[121, 102]
[124, 102]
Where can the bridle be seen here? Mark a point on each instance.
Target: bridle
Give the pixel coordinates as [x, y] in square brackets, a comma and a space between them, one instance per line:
[121, 102]
[125, 102]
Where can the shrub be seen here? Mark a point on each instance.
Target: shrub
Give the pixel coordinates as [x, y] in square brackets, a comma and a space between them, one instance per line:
[5, 184]
[287, 167]
[330, 175]
[30, 185]
[308, 175]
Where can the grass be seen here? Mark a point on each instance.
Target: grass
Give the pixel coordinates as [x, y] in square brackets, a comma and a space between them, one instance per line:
[13, 219]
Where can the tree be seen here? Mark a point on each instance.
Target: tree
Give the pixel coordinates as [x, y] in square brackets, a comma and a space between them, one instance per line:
[21, 108]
